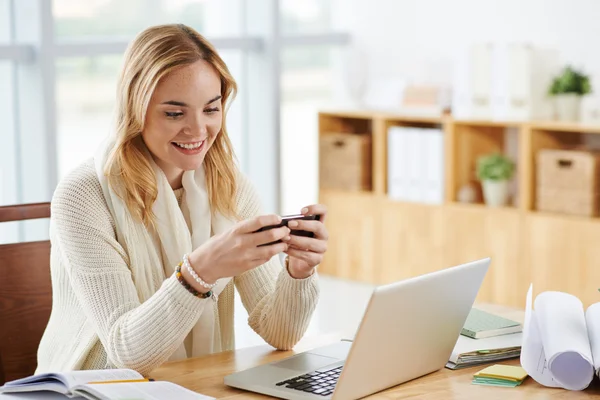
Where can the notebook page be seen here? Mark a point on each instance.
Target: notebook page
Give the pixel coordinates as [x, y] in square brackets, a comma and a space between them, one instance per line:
[142, 391]
[562, 326]
[55, 382]
[36, 396]
[592, 317]
[84, 376]
[53, 386]
[533, 358]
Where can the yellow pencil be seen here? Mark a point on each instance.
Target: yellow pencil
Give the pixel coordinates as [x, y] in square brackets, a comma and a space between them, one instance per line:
[123, 381]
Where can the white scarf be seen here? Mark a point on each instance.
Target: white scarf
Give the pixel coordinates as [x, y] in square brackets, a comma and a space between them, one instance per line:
[145, 261]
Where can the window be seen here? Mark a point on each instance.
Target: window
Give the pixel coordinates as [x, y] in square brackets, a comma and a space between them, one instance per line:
[8, 162]
[310, 80]
[8, 176]
[5, 25]
[61, 88]
[306, 85]
[236, 115]
[85, 93]
[76, 19]
[303, 17]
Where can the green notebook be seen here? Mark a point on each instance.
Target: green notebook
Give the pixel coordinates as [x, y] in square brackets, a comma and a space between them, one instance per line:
[481, 324]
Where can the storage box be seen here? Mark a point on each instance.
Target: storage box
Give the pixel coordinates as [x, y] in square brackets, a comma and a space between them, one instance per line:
[567, 182]
[472, 82]
[521, 74]
[345, 161]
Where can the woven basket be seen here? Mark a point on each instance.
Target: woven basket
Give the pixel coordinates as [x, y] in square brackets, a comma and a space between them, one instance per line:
[567, 182]
[345, 161]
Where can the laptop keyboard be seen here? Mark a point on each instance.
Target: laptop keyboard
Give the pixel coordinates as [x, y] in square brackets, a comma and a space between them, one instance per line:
[321, 383]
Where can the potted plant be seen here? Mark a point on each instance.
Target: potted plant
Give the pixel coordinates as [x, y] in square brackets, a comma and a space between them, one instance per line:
[567, 89]
[495, 171]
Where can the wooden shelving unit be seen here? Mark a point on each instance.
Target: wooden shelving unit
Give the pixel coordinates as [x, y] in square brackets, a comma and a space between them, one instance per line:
[378, 240]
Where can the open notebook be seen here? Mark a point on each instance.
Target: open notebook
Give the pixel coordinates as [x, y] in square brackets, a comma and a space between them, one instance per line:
[106, 384]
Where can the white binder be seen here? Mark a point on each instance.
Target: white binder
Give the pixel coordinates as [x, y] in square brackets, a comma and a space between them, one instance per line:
[416, 164]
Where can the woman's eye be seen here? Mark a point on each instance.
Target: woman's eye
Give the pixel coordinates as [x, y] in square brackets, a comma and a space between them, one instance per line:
[173, 114]
[211, 110]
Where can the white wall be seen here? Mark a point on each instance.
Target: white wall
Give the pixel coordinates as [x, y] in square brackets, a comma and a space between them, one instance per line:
[419, 39]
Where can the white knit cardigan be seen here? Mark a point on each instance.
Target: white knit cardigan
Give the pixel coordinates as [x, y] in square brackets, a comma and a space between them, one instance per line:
[97, 319]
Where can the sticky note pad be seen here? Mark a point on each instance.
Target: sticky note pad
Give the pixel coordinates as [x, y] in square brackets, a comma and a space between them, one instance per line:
[505, 372]
[495, 382]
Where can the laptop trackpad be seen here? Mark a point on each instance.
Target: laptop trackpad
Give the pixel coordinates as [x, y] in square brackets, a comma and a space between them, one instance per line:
[305, 362]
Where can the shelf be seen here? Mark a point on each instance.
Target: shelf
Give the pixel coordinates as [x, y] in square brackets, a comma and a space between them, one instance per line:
[556, 216]
[466, 143]
[410, 203]
[483, 207]
[457, 205]
[358, 114]
[367, 114]
[564, 216]
[558, 126]
[378, 239]
[412, 119]
[488, 123]
[339, 192]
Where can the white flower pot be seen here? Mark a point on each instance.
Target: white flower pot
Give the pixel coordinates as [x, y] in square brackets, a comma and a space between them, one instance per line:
[567, 106]
[495, 193]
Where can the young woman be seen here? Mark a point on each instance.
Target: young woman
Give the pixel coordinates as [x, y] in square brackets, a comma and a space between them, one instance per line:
[150, 237]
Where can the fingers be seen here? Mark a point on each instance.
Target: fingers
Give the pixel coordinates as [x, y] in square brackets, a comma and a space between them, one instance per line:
[268, 236]
[317, 227]
[305, 243]
[312, 259]
[316, 209]
[260, 222]
[265, 253]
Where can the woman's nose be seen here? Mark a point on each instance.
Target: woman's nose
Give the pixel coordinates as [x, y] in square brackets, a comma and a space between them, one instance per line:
[200, 129]
[199, 126]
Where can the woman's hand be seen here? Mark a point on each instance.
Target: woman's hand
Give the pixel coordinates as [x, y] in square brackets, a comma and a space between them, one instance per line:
[236, 251]
[306, 253]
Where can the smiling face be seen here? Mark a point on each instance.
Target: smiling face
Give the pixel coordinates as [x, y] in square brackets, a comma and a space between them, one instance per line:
[183, 119]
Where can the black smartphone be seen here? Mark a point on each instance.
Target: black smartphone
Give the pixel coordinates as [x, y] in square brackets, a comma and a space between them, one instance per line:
[284, 222]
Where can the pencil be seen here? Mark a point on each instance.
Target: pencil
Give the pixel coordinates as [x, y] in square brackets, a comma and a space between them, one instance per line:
[123, 381]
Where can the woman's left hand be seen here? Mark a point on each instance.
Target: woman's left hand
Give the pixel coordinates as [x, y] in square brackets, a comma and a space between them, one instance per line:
[306, 253]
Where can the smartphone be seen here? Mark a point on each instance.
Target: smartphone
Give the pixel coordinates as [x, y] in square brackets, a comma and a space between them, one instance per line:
[284, 222]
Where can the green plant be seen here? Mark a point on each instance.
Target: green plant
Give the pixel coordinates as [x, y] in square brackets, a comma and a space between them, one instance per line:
[495, 167]
[570, 81]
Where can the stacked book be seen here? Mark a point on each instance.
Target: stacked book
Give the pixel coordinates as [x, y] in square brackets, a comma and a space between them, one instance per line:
[486, 338]
[500, 375]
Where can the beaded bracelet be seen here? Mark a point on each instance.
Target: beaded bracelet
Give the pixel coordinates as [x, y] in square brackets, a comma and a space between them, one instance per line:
[186, 285]
[186, 265]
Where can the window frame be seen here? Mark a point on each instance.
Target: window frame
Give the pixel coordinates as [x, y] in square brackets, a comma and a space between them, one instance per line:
[34, 51]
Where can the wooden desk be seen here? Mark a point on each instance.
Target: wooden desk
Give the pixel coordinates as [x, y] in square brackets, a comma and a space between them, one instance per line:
[205, 375]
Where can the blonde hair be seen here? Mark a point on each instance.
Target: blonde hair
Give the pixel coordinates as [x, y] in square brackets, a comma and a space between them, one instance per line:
[154, 53]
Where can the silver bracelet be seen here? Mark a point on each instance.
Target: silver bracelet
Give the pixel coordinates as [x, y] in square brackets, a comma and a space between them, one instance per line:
[186, 264]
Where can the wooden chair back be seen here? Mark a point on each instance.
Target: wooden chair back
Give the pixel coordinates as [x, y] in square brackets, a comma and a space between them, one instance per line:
[25, 295]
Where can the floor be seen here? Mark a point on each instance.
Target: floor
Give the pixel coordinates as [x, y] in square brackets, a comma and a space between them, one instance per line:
[340, 309]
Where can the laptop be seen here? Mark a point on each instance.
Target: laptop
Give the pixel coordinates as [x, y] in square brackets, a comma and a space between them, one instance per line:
[408, 330]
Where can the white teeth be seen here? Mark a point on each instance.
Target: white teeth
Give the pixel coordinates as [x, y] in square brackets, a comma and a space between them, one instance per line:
[189, 146]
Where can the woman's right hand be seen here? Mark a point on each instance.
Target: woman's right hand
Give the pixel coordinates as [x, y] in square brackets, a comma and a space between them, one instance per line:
[237, 250]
